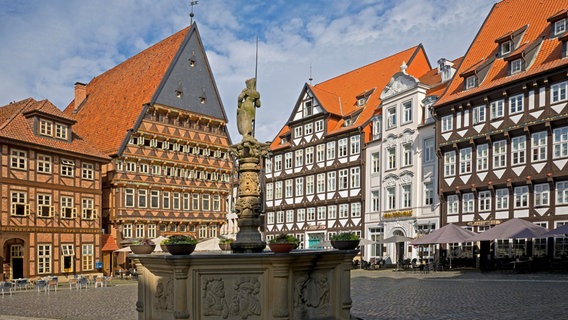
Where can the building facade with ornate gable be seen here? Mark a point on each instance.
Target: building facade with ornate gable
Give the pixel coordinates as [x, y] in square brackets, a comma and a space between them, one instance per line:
[159, 116]
[401, 163]
[50, 193]
[315, 174]
[502, 130]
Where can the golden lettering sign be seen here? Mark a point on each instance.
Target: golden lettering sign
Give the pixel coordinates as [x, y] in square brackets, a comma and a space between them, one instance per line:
[49, 229]
[397, 214]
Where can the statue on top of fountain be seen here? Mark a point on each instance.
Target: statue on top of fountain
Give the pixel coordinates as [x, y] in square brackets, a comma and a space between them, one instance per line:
[248, 101]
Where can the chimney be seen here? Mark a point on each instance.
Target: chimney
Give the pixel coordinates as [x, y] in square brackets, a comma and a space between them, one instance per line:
[80, 94]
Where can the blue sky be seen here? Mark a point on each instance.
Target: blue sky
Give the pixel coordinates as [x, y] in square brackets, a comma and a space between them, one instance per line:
[47, 46]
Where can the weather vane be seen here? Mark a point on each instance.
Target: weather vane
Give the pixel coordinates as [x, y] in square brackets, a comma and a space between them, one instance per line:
[192, 3]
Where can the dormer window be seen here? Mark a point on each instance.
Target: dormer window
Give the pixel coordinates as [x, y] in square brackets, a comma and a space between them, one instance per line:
[506, 47]
[361, 102]
[559, 27]
[308, 109]
[470, 82]
[61, 131]
[516, 66]
[45, 128]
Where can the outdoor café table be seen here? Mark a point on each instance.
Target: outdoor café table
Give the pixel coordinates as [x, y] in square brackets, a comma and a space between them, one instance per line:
[521, 265]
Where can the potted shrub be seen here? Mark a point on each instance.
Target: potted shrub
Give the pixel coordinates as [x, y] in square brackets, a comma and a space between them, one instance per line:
[345, 241]
[142, 246]
[180, 244]
[283, 243]
[225, 244]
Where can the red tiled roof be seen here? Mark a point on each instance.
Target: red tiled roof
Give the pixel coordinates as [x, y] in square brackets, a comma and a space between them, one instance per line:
[115, 99]
[506, 17]
[15, 126]
[109, 243]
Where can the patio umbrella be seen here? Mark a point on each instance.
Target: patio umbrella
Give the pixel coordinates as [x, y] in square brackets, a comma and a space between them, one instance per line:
[511, 229]
[449, 233]
[125, 249]
[395, 239]
[560, 231]
[364, 242]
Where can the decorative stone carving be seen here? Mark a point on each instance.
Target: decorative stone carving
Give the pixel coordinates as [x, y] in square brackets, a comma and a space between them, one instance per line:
[246, 301]
[163, 300]
[311, 296]
[213, 298]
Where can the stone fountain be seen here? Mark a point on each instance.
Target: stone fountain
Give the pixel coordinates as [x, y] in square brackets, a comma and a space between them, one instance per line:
[249, 283]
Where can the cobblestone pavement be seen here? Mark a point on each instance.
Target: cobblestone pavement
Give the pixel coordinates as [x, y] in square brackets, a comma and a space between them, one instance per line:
[376, 295]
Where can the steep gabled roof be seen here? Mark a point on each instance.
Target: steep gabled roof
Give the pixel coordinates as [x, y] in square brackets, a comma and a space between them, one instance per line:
[15, 126]
[116, 100]
[508, 17]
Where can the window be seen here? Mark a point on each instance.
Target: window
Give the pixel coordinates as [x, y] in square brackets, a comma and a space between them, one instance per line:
[375, 201]
[45, 128]
[43, 258]
[407, 112]
[496, 109]
[269, 191]
[428, 193]
[343, 179]
[44, 207]
[129, 198]
[391, 158]
[309, 155]
[308, 128]
[375, 162]
[342, 148]
[301, 215]
[539, 145]
[518, 152]
[331, 150]
[479, 114]
[268, 165]
[560, 142]
[482, 157]
[203, 231]
[270, 218]
[18, 159]
[502, 199]
[289, 216]
[19, 204]
[470, 82]
[562, 192]
[331, 212]
[521, 196]
[516, 66]
[406, 196]
[278, 190]
[505, 47]
[391, 117]
[319, 126]
[309, 185]
[130, 166]
[175, 200]
[447, 123]
[343, 210]
[390, 198]
[449, 164]
[331, 181]
[356, 209]
[142, 198]
[43, 163]
[87, 171]
[558, 91]
[277, 163]
[61, 131]
[499, 154]
[465, 160]
[139, 231]
[299, 187]
[406, 154]
[484, 201]
[320, 183]
[144, 168]
[355, 177]
[320, 153]
[88, 209]
[67, 168]
[308, 108]
[311, 214]
[206, 202]
[355, 145]
[321, 214]
[428, 154]
[151, 231]
[541, 194]
[559, 27]
[453, 204]
[288, 188]
[516, 104]
[377, 127]
[288, 160]
[155, 199]
[468, 203]
[67, 207]
[216, 203]
[87, 257]
[299, 155]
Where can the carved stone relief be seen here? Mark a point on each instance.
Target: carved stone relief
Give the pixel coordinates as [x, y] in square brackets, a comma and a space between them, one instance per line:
[163, 296]
[311, 296]
[228, 298]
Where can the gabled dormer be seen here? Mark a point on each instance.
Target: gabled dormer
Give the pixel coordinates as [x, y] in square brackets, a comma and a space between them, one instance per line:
[521, 59]
[446, 69]
[510, 41]
[363, 97]
[476, 74]
[49, 125]
[558, 23]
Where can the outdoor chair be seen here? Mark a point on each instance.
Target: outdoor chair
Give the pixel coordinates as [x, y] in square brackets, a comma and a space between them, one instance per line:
[6, 287]
[74, 282]
[41, 285]
[99, 281]
[82, 283]
[22, 284]
[52, 283]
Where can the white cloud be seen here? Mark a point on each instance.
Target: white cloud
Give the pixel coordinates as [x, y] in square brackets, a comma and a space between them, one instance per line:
[53, 44]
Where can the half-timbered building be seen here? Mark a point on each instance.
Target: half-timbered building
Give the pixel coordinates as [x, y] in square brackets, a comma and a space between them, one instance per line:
[50, 193]
[502, 126]
[401, 163]
[160, 118]
[314, 176]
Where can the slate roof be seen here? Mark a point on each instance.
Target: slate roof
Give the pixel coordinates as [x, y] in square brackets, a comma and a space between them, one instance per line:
[505, 18]
[115, 99]
[15, 126]
[338, 95]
